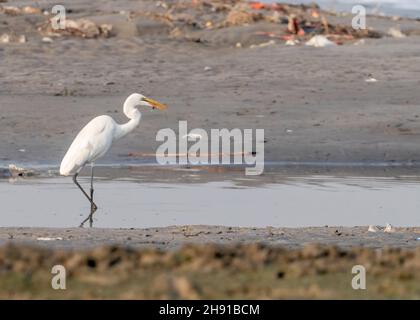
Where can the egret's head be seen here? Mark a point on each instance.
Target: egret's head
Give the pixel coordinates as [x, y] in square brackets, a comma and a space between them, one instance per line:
[136, 99]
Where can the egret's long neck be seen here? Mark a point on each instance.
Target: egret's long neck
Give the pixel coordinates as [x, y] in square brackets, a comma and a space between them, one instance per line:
[124, 129]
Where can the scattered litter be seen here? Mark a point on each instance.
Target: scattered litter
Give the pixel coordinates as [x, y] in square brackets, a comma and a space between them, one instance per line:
[207, 68]
[49, 239]
[396, 33]
[373, 229]
[239, 15]
[7, 38]
[238, 45]
[13, 11]
[10, 10]
[22, 39]
[418, 239]
[389, 228]
[370, 79]
[22, 150]
[47, 40]
[289, 131]
[16, 171]
[83, 28]
[320, 41]
[292, 42]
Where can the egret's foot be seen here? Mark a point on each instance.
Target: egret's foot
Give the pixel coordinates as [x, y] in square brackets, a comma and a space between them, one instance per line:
[83, 222]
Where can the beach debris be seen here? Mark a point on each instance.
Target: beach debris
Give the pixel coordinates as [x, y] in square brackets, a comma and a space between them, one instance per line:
[16, 171]
[320, 41]
[370, 79]
[240, 15]
[5, 38]
[47, 40]
[396, 33]
[10, 10]
[389, 228]
[207, 68]
[21, 39]
[8, 38]
[292, 25]
[31, 10]
[190, 20]
[14, 11]
[83, 28]
[292, 42]
[373, 228]
[49, 239]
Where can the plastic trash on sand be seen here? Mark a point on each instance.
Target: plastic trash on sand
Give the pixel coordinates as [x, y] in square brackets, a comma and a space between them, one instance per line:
[373, 228]
[396, 33]
[389, 228]
[320, 41]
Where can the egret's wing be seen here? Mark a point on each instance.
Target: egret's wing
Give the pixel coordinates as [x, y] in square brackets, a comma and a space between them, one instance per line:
[91, 142]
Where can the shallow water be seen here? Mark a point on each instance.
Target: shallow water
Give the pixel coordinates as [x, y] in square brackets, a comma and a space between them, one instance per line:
[145, 197]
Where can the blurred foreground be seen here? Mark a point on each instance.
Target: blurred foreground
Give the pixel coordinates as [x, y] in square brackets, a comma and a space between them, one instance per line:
[209, 272]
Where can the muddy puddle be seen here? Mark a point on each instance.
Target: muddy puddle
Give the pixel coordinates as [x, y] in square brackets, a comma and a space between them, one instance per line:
[146, 196]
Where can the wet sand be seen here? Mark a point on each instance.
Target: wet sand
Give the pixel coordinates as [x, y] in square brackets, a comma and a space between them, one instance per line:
[177, 236]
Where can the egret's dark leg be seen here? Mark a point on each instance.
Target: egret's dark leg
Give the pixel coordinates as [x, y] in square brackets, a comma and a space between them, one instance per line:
[93, 206]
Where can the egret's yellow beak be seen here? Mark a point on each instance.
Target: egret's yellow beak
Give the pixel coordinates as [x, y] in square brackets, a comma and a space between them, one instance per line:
[155, 104]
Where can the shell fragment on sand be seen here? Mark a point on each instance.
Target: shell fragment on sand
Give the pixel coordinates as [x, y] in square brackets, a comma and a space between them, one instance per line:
[49, 239]
[320, 41]
[389, 228]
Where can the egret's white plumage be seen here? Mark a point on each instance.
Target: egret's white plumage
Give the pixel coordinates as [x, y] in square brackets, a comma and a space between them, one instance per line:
[95, 139]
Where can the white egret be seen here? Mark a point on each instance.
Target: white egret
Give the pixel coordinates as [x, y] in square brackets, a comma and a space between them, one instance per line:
[95, 139]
